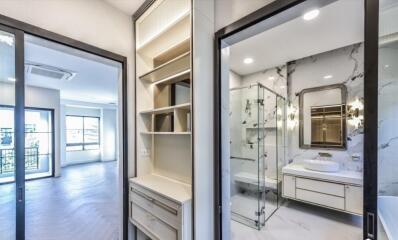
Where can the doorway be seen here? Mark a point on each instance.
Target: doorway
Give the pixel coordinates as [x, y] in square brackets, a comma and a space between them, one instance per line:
[280, 47]
[40, 156]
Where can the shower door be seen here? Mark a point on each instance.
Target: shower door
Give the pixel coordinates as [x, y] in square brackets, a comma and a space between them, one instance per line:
[247, 155]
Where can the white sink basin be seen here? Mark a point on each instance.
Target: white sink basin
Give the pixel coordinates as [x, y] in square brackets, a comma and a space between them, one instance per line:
[322, 165]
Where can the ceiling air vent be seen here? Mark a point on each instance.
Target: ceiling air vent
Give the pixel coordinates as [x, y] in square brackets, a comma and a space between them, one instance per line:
[49, 71]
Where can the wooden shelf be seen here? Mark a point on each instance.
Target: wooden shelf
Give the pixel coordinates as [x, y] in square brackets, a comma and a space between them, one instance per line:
[169, 70]
[166, 133]
[173, 34]
[167, 109]
[179, 77]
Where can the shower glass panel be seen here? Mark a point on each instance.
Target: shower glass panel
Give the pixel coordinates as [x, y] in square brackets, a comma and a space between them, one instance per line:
[388, 119]
[257, 147]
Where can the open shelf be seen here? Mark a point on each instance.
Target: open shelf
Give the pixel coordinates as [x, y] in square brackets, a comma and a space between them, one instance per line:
[170, 109]
[171, 35]
[169, 69]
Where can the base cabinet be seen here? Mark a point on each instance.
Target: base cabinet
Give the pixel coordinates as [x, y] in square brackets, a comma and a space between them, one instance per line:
[158, 217]
[339, 196]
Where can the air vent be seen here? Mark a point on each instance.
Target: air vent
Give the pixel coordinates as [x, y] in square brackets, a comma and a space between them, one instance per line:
[49, 71]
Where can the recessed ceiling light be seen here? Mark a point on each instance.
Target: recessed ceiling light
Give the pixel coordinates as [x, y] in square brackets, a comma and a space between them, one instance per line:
[327, 77]
[271, 78]
[11, 79]
[248, 60]
[386, 66]
[311, 15]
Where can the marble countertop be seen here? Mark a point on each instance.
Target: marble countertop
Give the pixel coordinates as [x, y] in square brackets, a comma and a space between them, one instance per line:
[343, 176]
[166, 187]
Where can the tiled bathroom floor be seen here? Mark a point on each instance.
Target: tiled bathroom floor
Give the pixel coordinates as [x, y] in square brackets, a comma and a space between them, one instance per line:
[300, 221]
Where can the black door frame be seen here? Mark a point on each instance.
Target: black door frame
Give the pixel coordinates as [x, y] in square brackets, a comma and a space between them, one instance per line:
[370, 112]
[19, 28]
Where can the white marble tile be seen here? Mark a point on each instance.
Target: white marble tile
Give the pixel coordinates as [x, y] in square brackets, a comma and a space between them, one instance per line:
[345, 65]
[299, 221]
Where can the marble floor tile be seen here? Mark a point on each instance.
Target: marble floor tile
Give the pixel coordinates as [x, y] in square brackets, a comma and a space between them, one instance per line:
[300, 221]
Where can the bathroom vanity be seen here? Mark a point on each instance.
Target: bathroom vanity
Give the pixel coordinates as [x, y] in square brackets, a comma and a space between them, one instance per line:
[340, 191]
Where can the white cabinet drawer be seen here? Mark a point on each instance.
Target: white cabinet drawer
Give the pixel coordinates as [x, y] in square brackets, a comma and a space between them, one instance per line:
[354, 199]
[321, 199]
[157, 208]
[320, 186]
[151, 225]
[289, 186]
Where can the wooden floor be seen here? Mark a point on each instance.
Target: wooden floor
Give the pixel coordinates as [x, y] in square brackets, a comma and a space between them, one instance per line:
[83, 204]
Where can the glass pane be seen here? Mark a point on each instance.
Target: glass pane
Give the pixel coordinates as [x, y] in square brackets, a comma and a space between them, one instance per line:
[388, 118]
[38, 143]
[7, 141]
[91, 123]
[74, 136]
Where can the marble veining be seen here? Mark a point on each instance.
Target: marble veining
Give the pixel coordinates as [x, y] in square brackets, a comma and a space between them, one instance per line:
[308, 72]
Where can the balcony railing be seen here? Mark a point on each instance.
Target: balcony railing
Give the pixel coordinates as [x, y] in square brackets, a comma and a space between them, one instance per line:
[7, 159]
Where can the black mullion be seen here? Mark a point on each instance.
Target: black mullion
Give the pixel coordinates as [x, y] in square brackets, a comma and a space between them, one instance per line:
[19, 128]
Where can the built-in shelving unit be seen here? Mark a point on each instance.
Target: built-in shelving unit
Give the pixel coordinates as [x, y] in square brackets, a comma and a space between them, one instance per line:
[163, 119]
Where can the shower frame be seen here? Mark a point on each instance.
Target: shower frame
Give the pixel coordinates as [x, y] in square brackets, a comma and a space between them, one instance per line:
[261, 213]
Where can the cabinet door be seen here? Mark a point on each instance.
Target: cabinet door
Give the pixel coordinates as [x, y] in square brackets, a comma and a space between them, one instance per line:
[289, 186]
[354, 199]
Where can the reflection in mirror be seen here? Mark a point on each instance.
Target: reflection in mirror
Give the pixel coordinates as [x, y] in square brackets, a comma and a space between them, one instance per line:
[323, 117]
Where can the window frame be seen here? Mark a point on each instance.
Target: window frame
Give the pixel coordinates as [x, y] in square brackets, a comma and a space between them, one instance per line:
[83, 144]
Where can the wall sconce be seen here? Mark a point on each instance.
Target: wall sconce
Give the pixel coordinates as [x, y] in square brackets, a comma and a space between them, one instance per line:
[291, 116]
[355, 113]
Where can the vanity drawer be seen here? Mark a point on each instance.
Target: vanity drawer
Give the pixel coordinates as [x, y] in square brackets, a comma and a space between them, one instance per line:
[156, 207]
[149, 224]
[321, 199]
[320, 186]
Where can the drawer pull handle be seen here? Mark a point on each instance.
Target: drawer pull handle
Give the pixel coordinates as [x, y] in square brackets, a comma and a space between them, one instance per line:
[157, 203]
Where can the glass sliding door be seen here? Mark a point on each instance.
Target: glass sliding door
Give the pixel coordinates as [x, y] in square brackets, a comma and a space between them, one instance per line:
[388, 119]
[11, 135]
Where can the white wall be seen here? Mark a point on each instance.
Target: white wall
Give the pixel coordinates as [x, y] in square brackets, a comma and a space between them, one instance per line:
[90, 21]
[109, 135]
[39, 98]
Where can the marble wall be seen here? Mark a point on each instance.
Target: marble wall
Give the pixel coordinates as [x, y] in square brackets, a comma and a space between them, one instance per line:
[388, 118]
[345, 65]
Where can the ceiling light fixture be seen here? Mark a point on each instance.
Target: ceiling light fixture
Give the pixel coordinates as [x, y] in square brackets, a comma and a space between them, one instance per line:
[248, 60]
[311, 15]
[271, 78]
[327, 77]
[11, 79]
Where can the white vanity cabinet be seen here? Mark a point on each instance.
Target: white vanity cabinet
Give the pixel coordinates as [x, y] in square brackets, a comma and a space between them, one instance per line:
[323, 189]
[161, 208]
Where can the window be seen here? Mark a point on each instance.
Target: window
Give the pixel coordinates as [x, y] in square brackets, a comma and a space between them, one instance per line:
[38, 143]
[82, 133]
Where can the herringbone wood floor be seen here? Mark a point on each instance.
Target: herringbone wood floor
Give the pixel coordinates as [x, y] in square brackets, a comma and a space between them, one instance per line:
[83, 204]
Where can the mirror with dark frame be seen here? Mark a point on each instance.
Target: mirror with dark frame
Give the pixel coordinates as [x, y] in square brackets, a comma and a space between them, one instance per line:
[323, 117]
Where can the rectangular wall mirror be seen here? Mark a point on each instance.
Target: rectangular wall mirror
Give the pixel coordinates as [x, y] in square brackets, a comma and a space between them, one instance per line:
[323, 117]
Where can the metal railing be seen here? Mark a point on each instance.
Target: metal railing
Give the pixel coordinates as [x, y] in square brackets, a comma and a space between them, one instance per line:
[7, 159]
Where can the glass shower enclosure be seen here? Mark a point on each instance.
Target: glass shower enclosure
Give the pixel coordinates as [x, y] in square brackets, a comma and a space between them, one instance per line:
[257, 153]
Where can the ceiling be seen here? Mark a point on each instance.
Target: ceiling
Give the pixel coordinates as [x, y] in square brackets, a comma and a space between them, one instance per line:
[96, 79]
[338, 24]
[127, 6]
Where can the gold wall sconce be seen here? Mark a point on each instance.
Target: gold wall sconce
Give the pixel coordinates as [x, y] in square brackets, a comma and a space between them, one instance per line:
[355, 113]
